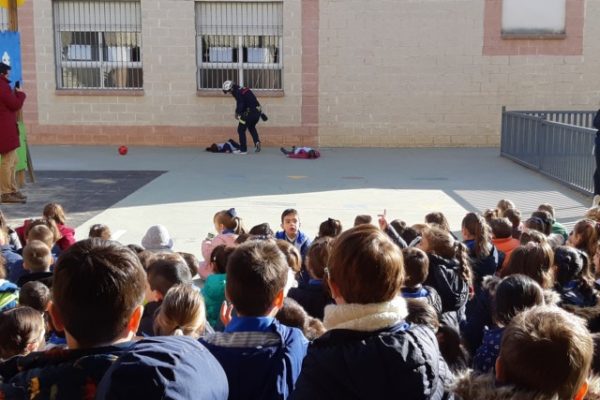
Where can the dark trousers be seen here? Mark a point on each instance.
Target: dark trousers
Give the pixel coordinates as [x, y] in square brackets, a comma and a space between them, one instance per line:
[249, 122]
[597, 173]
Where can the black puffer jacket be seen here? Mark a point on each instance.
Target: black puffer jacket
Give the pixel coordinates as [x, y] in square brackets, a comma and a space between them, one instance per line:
[444, 276]
[400, 362]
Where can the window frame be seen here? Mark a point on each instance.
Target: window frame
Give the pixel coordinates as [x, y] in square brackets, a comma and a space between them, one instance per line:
[241, 65]
[103, 64]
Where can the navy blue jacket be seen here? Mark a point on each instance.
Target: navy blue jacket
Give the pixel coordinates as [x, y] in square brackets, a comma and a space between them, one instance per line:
[445, 278]
[427, 293]
[302, 241]
[57, 373]
[245, 100]
[312, 296]
[483, 266]
[261, 363]
[14, 263]
[399, 362]
[168, 367]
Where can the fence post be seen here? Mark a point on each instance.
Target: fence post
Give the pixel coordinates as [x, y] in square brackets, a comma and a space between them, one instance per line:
[503, 133]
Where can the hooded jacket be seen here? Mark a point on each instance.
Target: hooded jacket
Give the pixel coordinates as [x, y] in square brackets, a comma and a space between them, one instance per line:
[472, 386]
[261, 357]
[57, 373]
[444, 276]
[371, 353]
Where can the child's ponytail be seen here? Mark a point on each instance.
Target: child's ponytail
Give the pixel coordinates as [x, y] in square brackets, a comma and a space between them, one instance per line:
[230, 220]
[476, 226]
[461, 254]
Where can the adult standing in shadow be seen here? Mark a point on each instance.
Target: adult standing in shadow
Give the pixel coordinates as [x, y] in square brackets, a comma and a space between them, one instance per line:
[10, 103]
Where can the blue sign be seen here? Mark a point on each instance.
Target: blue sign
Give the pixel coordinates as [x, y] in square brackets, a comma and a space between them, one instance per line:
[10, 54]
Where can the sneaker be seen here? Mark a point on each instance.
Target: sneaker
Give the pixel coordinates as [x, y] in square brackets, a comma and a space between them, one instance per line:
[239, 152]
[284, 151]
[257, 147]
[19, 195]
[11, 198]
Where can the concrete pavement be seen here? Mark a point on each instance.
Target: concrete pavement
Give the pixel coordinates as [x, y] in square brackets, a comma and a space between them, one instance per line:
[407, 183]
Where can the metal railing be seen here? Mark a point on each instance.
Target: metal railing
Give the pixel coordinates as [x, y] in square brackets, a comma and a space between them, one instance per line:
[558, 144]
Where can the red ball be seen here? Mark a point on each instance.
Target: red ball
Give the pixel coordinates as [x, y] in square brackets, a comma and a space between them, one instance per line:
[123, 150]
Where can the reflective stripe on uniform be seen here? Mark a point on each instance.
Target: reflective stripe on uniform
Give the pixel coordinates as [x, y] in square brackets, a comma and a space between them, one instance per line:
[242, 121]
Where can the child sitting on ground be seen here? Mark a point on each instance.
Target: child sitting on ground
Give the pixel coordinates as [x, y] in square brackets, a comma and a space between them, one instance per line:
[228, 226]
[55, 212]
[301, 152]
[100, 231]
[214, 287]
[546, 353]
[36, 295]
[227, 147]
[416, 265]
[293, 315]
[261, 357]
[557, 227]
[367, 334]
[9, 292]
[514, 216]
[573, 278]
[36, 261]
[22, 331]
[157, 239]
[313, 295]
[330, 228]
[502, 237]
[513, 294]
[363, 219]
[585, 236]
[182, 313]
[290, 223]
[11, 260]
[164, 272]
[98, 290]
[294, 261]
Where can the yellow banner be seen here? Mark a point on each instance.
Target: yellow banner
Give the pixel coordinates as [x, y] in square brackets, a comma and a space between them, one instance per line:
[4, 3]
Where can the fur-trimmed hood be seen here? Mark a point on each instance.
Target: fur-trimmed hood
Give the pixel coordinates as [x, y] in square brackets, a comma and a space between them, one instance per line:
[365, 317]
[472, 386]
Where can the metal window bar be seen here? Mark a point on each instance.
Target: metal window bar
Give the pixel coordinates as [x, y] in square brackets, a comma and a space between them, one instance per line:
[239, 41]
[3, 19]
[557, 144]
[98, 44]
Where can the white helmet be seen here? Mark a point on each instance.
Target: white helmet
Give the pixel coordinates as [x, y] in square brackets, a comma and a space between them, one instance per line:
[227, 86]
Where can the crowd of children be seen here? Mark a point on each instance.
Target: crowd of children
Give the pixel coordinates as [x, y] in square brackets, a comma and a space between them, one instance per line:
[510, 310]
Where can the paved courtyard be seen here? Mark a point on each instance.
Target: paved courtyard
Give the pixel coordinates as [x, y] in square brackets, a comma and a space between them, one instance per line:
[182, 188]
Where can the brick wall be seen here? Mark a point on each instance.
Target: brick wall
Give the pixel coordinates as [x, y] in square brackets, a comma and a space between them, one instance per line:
[356, 73]
[169, 111]
[413, 73]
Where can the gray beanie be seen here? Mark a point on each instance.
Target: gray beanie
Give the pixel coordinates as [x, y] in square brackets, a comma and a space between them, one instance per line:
[157, 238]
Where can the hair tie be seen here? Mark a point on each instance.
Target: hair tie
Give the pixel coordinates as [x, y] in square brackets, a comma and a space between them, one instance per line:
[232, 213]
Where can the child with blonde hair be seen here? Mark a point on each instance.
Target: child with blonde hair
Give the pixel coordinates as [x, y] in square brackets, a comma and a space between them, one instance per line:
[182, 313]
[55, 212]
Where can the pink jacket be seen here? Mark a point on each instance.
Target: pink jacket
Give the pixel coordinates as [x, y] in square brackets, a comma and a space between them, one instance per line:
[208, 245]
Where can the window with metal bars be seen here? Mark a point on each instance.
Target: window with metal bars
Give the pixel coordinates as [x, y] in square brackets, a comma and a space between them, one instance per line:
[239, 41]
[3, 19]
[98, 44]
